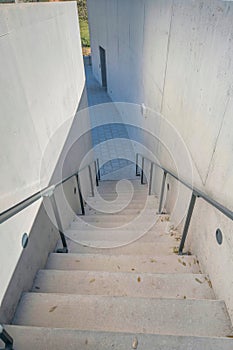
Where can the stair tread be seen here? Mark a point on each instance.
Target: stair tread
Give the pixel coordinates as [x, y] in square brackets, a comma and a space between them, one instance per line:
[131, 263]
[126, 211]
[104, 217]
[124, 314]
[27, 338]
[122, 247]
[119, 203]
[89, 222]
[128, 243]
[121, 284]
[125, 233]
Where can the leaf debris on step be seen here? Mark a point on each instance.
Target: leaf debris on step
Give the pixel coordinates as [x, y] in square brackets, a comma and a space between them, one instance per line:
[199, 281]
[53, 308]
[182, 262]
[209, 282]
[135, 343]
[139, 279]
[92, 280]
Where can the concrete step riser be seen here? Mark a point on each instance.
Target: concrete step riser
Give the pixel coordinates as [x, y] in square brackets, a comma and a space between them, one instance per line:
[124, 314]
[28, 338]
[145, 285]
[121, 206]
[118, 236]
[115, 219]
[119, 248]
[126, 211]
[130, 225]
[123, 263]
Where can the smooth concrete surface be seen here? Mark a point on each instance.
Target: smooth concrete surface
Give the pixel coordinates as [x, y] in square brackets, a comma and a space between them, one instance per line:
[11, 249]
[41, 91]
[175, 57]
[18, 271]
[124, 314]
[125, 263]
[42, 88]
[144, 285]
[126, 245]
[38, 338]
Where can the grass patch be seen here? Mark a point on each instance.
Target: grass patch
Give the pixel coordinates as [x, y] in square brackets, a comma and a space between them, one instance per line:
[84, 31]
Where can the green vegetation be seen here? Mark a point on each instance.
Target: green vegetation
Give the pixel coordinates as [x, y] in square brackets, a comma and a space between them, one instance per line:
[83, 21]
[84, 30]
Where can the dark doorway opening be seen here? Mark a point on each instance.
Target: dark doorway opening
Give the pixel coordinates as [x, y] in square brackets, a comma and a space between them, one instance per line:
[103, 66]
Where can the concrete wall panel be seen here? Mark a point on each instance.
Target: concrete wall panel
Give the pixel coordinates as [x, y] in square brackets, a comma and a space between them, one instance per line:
[42, 86]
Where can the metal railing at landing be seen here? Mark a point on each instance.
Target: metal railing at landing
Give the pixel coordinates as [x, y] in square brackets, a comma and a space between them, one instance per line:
[196, 193]
[49, 192]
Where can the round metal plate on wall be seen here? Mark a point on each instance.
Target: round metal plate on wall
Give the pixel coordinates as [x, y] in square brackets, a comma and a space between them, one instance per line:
[219, 236]
[24, 240]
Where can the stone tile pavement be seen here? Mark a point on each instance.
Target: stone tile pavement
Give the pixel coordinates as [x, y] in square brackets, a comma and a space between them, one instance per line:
[111, 140]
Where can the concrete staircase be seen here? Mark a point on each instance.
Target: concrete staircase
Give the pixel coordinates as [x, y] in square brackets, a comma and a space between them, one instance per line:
[119, 288]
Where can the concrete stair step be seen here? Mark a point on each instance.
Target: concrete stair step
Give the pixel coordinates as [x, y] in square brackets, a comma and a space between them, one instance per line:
[124, 263]
[118, 248]
[114, 221]
[138, 191]
[107, 223]
[124, 197]
[27, 338]
[124, 314]
[137, 196]
[124, 242]
[152, 227]
[126, 211]
[121, 184]
[119, 235]
[146, 285]
[121, 205]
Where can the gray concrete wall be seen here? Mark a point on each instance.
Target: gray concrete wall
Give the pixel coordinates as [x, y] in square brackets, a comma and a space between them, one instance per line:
[175, 56]
[43, 101]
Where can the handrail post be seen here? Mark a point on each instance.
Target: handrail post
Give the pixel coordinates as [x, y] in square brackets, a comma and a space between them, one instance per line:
[91, 181]
[187, 222]
[162, 191]
[142, 172]
[96, 175]
[80, 195]
[151, 177]
[137, 172]
[6, 338]
[59, 224]
[98, 168]
[58, 221]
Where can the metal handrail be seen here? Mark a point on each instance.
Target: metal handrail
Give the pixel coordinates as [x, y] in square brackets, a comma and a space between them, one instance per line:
[196, 193]
[6, 338]
[15, 209]
[49, 192]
